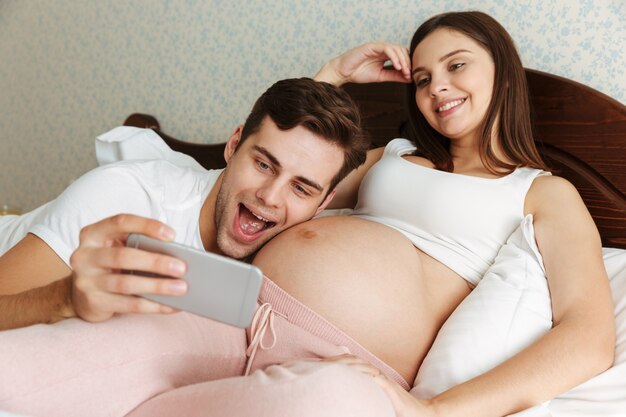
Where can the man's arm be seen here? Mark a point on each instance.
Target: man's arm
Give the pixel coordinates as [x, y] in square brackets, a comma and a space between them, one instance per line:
[47, 304]
[30, 264]
[34, 285]
[38, 287]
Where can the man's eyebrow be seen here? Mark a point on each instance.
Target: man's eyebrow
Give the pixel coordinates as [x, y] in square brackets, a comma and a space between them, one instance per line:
[310, 183]
[275, 161]
[443, 58]
[268, 155]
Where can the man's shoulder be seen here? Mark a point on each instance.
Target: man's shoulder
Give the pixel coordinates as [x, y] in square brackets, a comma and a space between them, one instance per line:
[157, 180]
[158, 169]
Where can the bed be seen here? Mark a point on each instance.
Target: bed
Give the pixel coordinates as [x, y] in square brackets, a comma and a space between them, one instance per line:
[581, 133]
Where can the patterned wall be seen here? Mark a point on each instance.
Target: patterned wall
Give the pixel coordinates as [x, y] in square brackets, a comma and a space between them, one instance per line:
[71, 69]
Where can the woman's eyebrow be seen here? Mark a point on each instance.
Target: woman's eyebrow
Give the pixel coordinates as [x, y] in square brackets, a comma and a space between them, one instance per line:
[443, 58]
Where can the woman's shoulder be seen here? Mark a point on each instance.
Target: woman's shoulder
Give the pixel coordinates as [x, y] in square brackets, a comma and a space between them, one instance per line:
[404, 148]
[552, 184]
[399, 146]
[551, 192]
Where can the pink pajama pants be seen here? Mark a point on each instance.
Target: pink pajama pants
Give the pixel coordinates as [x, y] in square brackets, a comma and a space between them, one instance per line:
[183, 364]
[299, 389]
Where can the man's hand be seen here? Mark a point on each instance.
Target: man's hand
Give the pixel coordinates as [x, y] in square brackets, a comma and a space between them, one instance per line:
[101, 285]
[366, 64]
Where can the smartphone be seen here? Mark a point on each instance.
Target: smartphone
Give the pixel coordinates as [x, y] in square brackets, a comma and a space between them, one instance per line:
[218, 287]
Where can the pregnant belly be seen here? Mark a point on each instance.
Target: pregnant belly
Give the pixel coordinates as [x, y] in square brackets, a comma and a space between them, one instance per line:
[369, 281]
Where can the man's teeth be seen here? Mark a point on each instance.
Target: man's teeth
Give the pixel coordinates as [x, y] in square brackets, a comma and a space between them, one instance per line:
[260, 218]
[449, 105]
[253, 227]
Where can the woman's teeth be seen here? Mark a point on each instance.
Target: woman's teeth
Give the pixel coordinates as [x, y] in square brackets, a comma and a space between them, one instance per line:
[449, 105]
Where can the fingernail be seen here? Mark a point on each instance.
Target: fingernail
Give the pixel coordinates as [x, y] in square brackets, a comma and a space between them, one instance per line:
[168, 233]
[177, 267]
[177, 286]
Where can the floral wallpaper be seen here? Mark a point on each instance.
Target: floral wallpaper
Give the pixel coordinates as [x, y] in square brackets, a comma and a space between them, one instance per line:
[72, 69]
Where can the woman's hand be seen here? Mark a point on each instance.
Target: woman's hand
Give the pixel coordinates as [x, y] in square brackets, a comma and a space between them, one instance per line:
[404, 404]
[365, 64]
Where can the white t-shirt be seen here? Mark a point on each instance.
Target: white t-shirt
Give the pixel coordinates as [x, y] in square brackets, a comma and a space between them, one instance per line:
[157, 189]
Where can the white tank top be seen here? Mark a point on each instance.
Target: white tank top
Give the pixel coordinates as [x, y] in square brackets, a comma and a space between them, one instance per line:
[460, 220]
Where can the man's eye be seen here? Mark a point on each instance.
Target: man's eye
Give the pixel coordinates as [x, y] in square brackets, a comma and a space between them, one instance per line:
[263, 165]
[300, 189]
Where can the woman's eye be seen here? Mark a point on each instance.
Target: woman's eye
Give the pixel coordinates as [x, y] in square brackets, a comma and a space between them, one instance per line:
[422, 82]
[455, 67]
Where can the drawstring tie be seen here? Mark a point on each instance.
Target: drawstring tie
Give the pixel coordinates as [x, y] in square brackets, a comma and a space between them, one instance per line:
[263, 318]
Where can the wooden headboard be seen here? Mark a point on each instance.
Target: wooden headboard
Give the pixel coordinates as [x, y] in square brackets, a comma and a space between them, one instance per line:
[580, 132]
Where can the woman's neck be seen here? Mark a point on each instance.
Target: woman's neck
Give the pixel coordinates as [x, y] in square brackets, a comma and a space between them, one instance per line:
[465, 153]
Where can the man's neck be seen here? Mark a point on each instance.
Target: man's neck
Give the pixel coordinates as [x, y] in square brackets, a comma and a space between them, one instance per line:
[208, 228]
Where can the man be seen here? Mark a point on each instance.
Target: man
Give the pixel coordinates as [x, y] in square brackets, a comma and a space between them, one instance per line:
[300, 140]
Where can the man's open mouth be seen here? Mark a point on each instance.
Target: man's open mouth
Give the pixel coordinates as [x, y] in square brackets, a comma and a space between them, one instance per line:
[252, 223]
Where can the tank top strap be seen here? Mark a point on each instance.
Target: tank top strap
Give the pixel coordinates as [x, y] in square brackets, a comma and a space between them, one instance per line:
[524, 177]
[399, 147]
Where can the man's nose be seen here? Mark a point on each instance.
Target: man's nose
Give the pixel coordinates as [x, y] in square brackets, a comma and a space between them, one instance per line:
[272, 193]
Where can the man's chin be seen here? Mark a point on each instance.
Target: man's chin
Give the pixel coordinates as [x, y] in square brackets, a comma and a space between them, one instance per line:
[239, 250]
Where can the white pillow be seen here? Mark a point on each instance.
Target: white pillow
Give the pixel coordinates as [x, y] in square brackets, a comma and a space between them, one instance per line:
[507, 311]
[133, 143]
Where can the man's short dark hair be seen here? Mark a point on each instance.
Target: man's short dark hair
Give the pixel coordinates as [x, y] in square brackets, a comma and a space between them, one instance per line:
[321, 108]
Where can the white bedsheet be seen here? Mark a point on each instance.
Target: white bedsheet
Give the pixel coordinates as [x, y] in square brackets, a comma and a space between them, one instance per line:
[604, 395]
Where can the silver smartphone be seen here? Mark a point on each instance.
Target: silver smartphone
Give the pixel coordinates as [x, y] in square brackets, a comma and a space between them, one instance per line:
[218, 287]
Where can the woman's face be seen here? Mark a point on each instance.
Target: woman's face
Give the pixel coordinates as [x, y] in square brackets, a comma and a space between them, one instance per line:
[454, 77]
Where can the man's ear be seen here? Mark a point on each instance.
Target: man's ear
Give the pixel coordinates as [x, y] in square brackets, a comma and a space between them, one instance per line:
[231, 144]
[326, 201]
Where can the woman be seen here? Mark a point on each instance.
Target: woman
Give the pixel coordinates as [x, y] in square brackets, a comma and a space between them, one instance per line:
[473, 145]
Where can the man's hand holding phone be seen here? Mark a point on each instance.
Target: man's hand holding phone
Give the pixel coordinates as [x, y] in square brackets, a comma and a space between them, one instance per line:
[101, 285]
[220, 288]
[128, 264]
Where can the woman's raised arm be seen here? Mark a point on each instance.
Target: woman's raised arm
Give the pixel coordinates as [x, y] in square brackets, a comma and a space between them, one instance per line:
[366, 64]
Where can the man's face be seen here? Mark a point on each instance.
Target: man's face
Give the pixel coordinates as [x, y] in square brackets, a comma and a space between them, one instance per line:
[274, 180]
